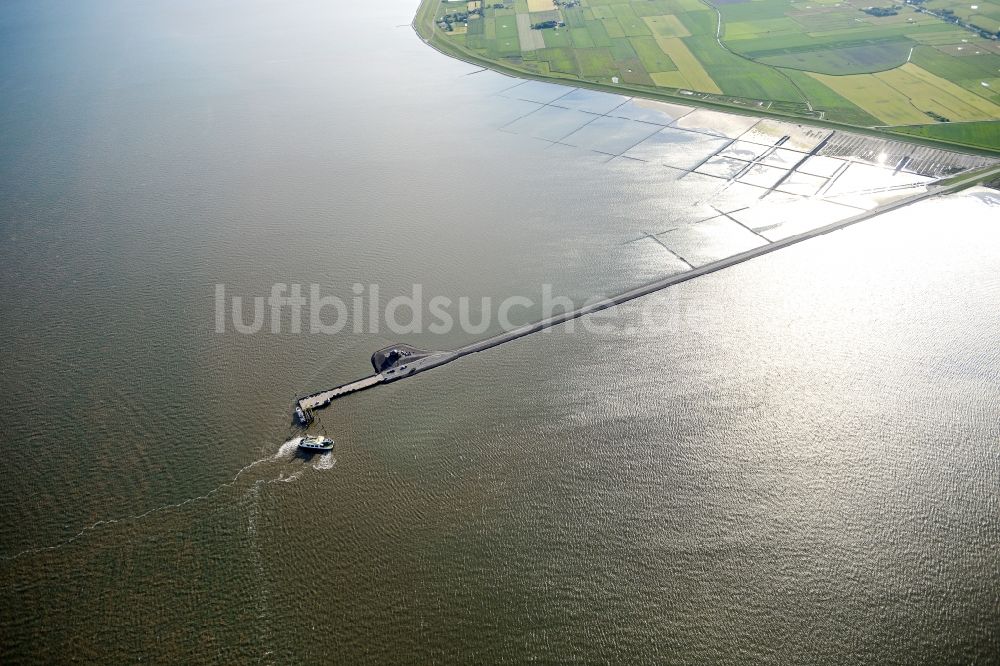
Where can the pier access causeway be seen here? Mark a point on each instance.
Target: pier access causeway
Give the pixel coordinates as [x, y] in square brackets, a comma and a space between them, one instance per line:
[401, 361]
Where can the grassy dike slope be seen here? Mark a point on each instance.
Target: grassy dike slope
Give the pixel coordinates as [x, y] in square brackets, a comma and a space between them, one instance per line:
[981, 142]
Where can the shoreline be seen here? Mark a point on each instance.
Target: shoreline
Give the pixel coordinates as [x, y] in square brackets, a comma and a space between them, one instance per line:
[423, 21]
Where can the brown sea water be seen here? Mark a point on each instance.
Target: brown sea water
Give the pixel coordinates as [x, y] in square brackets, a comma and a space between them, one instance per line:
[793, 460]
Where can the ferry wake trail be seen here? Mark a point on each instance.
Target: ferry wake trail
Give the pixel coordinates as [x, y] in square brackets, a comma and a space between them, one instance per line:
[285, 453]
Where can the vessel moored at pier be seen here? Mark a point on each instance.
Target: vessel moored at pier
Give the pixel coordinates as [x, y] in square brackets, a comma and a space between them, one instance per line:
[304, 417]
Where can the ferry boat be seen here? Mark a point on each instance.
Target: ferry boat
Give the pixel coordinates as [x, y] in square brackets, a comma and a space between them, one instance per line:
[316, 443]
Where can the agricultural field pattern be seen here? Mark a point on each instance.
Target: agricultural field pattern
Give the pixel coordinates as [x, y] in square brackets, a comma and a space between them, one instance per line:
[924, 68]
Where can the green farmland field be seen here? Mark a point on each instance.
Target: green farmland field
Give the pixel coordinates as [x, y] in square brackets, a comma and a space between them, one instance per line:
[967, 134]
[930, 70]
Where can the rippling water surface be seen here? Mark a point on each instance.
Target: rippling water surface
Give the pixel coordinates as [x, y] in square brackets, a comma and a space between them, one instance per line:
[794, 459]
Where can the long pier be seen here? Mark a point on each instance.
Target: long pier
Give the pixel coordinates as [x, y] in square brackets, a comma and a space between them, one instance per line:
[323, 398]
[391, 364]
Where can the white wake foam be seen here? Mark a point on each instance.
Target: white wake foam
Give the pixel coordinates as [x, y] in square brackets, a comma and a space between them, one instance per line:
[326, 461]
[287, 450]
